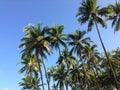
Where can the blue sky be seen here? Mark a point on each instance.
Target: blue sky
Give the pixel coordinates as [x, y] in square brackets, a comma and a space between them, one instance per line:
[16, 14]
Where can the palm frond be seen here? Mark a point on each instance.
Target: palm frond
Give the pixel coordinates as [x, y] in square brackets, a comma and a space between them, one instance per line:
[90, 25]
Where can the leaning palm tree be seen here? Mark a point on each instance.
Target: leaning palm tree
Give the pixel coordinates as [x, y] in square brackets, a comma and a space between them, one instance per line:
[89, 12]
[114, 15]
[35, 41]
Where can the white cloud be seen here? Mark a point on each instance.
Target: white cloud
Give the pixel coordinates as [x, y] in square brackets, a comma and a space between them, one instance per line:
[5, 88]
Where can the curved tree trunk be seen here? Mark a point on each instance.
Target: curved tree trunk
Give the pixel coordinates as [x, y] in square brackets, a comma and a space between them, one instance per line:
[115, 78]
[48, 82]
[40, 71]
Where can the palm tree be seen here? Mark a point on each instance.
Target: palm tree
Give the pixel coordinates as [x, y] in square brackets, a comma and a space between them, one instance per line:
[60, 76]
[92, 57]
[77, 79]
[89, 12]
[114, 15]
[78, 42]
[57, 37]
[67, 60]
[30, 65]
[36, 41]
[54, 87]
[27, 83]
[115, 61]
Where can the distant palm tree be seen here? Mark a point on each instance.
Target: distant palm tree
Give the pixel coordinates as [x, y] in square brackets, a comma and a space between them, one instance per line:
[29, 84]
[114, 15]
[67, 60]
[89, 12]
[30, 65]
[59, 75]
[57, 37]
[78, 42]
[92, 57]
[114, 57]
[77, 79]
[36, 41]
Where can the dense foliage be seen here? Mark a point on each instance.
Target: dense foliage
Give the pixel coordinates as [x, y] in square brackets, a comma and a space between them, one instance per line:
[79, 66]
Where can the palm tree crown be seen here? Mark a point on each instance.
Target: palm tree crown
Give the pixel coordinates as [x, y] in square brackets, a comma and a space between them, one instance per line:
[36, 41]
[114, 15]
[89, 12]
[57, 37]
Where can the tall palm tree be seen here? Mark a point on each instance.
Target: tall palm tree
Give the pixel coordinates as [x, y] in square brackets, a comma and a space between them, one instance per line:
[89, 12]
[57, 37]
[78, 42]
[114, 15]
[36, 41]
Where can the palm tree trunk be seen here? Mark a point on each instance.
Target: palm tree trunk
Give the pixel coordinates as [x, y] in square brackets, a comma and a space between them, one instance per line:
[59, 51]
[41, 78]
[30, 76]
[46, 74]
[66, 87]
[40, 71]
[115, 78]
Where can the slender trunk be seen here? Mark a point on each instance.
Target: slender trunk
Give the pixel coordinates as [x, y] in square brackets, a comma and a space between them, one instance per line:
[40, 71]
[42, 79]
[59, 51]
[48, 82]
[115, 78]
